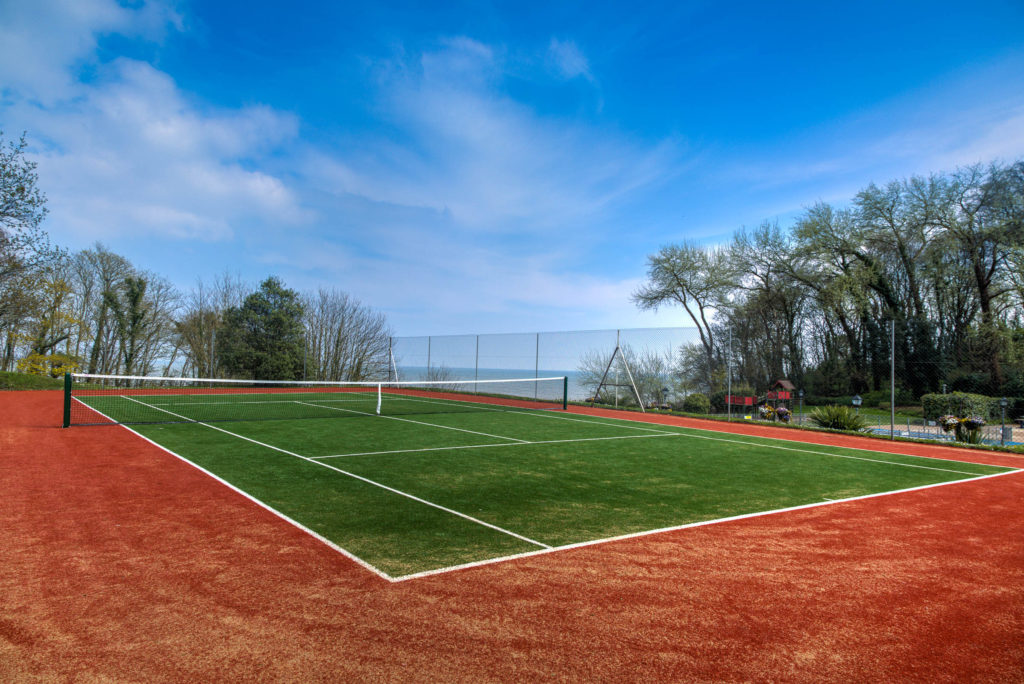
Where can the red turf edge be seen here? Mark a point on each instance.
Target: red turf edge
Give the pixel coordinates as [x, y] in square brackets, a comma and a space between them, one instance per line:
[122, 563]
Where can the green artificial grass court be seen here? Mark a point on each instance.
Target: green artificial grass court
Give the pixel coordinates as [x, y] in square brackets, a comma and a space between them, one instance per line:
[420, 492]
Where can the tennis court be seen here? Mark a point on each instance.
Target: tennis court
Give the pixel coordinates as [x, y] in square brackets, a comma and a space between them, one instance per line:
[441, 480]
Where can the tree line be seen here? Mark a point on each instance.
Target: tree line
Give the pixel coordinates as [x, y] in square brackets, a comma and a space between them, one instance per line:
[94, 311]
[932, 265]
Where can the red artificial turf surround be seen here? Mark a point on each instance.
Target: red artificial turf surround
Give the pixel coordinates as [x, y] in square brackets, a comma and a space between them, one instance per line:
[122, 562]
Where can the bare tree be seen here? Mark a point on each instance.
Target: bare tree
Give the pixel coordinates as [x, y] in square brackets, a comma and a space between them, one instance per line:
[345, 340]
[200, 318]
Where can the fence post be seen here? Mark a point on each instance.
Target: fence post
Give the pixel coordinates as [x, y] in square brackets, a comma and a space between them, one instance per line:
[892, 381]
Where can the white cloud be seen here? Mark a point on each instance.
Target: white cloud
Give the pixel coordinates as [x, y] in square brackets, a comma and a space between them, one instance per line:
[129, 154]
[568, 61]
[44, 43]
[485, 159]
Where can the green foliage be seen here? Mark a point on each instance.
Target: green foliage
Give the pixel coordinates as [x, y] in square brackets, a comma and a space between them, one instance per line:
[49, 365]
[697, 403]
[959, 404]
[132, 318]
[263, 338]
[27, 381]
[837, 418]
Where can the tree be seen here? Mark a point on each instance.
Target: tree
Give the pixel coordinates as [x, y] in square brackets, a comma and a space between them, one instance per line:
[344, 339]
[695, 278]
[25, 249]
[102, 273]
[263, 338]
[22, 210]
[132, 319]
[201, 320]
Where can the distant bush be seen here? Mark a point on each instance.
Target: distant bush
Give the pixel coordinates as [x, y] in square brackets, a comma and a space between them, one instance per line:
[25, 381]
[873, 399]
[838, 418]
[697, 403]
[959, 404]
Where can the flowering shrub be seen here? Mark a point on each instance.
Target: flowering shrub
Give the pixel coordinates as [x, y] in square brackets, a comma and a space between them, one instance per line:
[767, 412]
[964, 429]
[973, 422]
[783, 414]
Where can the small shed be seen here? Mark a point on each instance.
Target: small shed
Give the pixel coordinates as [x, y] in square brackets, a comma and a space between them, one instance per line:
[782, 390]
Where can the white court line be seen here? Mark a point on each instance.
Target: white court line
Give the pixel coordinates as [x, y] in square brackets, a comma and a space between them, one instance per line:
[507, 444]
[825, 453]
[702, 523]
[361, 400]
[800, 441]
[316, 535]
[416, 422]
[536, 413]
[748, 443]
[490, 561]
[354, 476]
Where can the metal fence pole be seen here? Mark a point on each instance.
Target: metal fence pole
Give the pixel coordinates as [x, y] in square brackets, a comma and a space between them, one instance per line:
[728, 391]
[892, 382]
[536, 368]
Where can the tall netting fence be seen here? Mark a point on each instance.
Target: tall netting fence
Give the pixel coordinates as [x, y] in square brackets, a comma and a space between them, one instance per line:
[649, 355]
[897, 380]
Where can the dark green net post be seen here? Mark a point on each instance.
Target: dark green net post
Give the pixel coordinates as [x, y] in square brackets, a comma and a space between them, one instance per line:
[565, 393]
[67, 400]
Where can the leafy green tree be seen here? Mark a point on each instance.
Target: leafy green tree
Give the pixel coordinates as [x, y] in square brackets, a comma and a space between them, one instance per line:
[133, 318]
[25, 249]
[263, 338]
[694, 278]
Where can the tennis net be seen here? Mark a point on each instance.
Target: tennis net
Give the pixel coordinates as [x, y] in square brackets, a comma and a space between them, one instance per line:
[118, 399]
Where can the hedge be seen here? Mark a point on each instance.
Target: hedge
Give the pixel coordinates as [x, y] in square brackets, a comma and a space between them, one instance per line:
[960, 404]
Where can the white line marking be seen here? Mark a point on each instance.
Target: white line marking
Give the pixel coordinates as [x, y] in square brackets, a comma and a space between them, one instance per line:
[485, 446]
[825, 453]
[416, 422]
[798, 441]
[357, 477]
[702, 523]
[536, 413]
[348, 554]
[594, 542]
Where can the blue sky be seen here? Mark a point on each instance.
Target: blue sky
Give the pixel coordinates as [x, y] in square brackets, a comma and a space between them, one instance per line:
[475, 167]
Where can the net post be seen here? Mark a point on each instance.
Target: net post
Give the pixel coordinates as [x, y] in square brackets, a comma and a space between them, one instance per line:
[565, 392]
[67, 400]
[378, 397]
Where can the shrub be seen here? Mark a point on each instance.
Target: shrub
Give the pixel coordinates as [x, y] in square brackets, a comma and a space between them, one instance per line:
[837, 418]
[697, 403]
[49, 365]
[960, 404]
